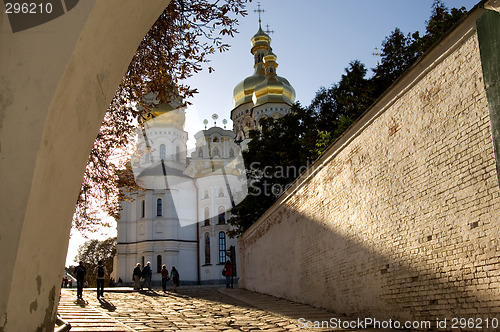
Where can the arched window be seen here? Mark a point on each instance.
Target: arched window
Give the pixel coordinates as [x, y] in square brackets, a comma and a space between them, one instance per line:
[177, 154]
[207, 249]
[222, 215]
[200, 153]
[158, 264]
[159, 207]
[163, 152]
[231, 153]
[216, 139]
[207, 216]
[216, 152]
[143, 209]
[222, 247]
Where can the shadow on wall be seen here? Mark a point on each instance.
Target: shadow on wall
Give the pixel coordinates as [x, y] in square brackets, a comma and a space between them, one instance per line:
[370, 273]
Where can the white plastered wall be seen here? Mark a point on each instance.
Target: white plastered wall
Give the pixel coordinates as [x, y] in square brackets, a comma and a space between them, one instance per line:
[56, 81]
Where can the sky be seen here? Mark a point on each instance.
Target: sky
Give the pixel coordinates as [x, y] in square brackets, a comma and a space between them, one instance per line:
[314, 42]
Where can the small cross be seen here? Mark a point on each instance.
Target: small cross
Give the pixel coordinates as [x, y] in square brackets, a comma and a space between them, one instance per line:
[259, 11]
[377, 54]
[268, 31]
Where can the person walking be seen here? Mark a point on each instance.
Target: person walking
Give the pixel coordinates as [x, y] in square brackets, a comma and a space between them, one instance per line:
[147, 273]
[228, 268]
[164, 278]
[100, 273]
[174, 274]
[136, 276]
[81, 273]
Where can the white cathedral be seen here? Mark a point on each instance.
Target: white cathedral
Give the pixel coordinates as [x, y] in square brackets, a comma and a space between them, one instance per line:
[180, 217]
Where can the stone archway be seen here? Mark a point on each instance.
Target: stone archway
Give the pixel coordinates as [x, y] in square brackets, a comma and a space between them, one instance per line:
[56, 81]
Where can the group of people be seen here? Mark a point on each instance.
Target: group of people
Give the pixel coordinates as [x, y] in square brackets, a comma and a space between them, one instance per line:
[146, 273]
[67, 282]
[81, 273]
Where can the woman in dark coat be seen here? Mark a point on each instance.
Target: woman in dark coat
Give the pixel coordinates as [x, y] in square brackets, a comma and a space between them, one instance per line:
[136, 275]
[174, 274]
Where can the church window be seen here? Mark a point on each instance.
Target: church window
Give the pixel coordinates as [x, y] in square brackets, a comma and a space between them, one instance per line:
[207, 249]
[177, 154]
[200, 153]
[216, 139]
[207, 217]
[159, 207]
[158, 264]
[222, 215]
[143, 208]
[222, 247]
[216, 152]
[231, 153]
[163, 152]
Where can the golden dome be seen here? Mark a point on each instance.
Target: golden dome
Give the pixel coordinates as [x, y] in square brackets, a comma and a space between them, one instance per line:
[166, 114]
[243, 91]
[260, 40]
[274, 89]
[264, 85]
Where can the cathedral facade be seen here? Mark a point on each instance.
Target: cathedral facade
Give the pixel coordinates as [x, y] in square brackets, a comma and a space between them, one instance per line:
[180, 217]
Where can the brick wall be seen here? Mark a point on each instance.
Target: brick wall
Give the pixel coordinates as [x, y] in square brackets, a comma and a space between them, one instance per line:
[399, 219]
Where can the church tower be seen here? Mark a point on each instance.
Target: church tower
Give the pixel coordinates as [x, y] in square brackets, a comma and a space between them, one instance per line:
[262, 95]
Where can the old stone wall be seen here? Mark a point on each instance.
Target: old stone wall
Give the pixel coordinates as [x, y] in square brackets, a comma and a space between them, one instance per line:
[399, 218]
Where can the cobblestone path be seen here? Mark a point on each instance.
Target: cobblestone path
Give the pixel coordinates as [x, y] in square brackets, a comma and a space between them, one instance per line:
[191, 309]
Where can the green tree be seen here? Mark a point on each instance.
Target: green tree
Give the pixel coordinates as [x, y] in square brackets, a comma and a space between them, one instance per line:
[439, 23]
[348, 98]
[176, 47]
[396, 58]
[399, 52]
[93, 251]
[276, 156]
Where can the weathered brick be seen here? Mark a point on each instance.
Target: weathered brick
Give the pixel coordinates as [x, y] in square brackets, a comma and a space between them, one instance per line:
[402, 220]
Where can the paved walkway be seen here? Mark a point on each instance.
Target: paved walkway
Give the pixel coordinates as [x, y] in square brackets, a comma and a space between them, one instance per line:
[191, 309]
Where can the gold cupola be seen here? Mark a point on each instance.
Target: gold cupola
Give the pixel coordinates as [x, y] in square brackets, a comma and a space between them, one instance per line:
[243, 91]
[274, 88]
[164, 114]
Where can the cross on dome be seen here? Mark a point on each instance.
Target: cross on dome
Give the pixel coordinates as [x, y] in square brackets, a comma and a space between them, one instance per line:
[268, 30]
[258, 10]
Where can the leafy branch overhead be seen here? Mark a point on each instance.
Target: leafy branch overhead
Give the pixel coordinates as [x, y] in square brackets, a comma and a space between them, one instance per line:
[176, 47]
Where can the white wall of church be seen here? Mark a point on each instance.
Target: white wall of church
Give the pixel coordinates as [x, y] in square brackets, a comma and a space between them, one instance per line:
[55, 101]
